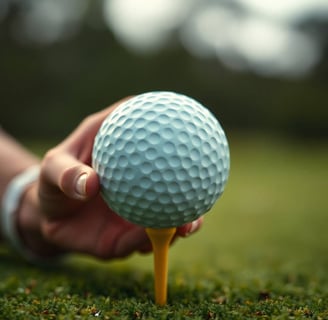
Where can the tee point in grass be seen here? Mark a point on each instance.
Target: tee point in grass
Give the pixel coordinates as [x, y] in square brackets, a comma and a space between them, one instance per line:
[160, 239]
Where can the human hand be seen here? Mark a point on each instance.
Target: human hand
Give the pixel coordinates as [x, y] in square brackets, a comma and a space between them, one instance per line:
[66, 211]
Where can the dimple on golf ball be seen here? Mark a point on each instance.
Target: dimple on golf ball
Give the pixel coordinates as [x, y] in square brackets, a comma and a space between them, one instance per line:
[162, 159]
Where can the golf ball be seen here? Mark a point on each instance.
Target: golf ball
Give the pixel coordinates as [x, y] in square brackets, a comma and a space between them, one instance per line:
[162, 159]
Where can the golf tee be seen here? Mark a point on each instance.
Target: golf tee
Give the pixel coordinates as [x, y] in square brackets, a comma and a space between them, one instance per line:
[160, 239]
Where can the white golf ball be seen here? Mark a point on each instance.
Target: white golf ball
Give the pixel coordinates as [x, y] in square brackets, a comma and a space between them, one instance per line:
[162, 159]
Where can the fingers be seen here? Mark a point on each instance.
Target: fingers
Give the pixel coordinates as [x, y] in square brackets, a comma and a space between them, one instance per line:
[190, 228]
[67, 168]
[64, 183]
[79, 182]
[136, 238]
[75, 179]
[132, 240]
[103, 234]
[90, 231]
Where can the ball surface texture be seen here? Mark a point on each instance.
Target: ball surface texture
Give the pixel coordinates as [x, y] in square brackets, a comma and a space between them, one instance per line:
[162, 159]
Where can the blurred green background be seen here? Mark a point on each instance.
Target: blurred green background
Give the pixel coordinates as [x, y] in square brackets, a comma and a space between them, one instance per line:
[258, 67]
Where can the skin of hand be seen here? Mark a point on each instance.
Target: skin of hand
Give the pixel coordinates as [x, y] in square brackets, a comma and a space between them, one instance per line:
[64, 212]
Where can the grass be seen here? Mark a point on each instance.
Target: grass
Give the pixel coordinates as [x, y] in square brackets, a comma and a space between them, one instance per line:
[262, 253]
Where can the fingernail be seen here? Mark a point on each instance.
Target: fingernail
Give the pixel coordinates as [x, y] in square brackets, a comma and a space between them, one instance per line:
[193, 228]
[80, 186]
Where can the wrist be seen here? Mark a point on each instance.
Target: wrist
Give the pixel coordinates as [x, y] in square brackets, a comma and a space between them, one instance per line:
[28, 221]
[20, 219]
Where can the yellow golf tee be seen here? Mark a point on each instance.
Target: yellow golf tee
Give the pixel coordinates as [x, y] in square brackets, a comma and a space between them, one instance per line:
[160, 239]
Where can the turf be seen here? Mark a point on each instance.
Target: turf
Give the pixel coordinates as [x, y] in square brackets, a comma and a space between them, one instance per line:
[262, 253]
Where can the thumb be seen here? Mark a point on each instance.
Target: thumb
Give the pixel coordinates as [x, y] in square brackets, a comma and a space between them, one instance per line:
[79, 181]
[62, 172]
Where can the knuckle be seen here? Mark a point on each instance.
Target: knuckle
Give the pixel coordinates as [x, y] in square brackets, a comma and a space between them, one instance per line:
[49, 157]
[50, 229]
[103, 252]
[90, 120]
